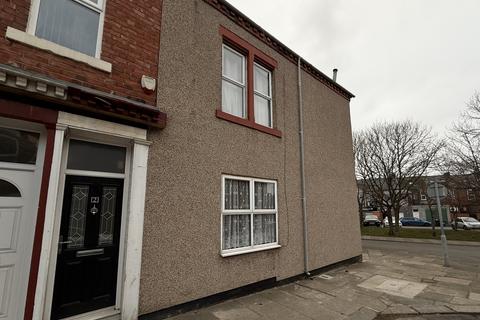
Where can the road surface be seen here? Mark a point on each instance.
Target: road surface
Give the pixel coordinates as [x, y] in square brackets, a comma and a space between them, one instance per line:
[466, 256]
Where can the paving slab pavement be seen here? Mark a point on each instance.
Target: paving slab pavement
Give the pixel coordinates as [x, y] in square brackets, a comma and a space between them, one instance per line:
[393, 284]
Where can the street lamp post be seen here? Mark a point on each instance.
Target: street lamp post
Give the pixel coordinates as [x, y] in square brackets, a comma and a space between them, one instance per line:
[446, 262]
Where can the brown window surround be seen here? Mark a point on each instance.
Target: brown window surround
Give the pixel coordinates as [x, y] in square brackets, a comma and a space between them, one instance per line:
[252, 55]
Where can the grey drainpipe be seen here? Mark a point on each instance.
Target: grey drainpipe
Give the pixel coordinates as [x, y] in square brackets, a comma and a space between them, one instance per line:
[302, 168]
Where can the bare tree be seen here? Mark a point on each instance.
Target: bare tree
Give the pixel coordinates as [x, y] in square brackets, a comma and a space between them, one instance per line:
[360, 201]
[462, 156]
[390, 158]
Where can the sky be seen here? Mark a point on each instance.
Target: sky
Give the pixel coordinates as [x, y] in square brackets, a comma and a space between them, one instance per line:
[403, 59]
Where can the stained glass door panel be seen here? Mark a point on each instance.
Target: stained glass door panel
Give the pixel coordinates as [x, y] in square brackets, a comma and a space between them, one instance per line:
[78, 215]
[107, 216]
[87, 261]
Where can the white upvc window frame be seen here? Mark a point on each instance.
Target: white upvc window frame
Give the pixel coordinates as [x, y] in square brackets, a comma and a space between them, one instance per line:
[97, 7]
[470, 195]
[260, 94]
[234, 82]
[252, 212]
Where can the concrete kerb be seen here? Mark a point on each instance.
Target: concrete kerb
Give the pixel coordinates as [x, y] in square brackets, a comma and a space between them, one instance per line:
[414, 240]
[434, 309]
[419, 316]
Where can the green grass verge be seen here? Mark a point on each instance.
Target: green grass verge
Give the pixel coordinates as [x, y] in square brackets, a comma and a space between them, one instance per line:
[460, 235]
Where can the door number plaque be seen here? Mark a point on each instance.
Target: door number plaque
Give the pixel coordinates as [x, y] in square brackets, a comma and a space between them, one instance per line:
[94, 199]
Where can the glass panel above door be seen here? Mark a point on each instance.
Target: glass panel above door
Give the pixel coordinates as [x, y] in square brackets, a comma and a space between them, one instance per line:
[18, 146]
[89, 156]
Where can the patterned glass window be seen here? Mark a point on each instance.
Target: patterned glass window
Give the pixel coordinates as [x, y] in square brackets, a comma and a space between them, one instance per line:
[107, 217]
[78, 214]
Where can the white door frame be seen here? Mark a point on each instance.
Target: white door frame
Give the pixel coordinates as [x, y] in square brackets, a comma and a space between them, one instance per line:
[130, 250]
[37, 169]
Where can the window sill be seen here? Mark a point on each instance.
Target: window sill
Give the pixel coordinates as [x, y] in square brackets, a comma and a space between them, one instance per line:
[247, 123]
[236, 253]
[31, 40]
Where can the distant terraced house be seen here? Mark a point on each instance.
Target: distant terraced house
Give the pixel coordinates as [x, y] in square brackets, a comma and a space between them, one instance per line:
[156, 155]
[462, 199]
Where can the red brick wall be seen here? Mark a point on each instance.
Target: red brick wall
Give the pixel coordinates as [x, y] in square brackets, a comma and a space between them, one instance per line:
[131, 39]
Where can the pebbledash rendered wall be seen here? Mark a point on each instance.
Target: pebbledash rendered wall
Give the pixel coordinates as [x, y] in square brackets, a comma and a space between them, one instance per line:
[181, 254]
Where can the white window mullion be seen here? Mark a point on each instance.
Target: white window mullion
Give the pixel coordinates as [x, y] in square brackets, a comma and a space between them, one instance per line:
[276, 213]
[235, 212]
[252, 208]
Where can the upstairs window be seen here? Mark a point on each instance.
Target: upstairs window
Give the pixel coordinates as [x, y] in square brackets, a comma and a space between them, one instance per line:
[233, 83]
[75, 24]
[263, 96]
[247, 94]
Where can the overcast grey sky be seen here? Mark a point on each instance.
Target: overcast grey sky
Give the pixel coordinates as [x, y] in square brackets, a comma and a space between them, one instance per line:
[416, 59]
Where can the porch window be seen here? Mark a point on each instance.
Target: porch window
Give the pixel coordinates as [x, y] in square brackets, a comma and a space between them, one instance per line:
[75, 24]
[249, 214]
[18, 146]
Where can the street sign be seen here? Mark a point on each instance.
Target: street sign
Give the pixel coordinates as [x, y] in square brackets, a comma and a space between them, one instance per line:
[442, 191]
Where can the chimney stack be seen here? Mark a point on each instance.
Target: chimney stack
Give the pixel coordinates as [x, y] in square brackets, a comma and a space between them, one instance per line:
[335, 74]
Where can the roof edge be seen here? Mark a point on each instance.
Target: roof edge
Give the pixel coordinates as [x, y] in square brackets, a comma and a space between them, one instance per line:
[249, 25]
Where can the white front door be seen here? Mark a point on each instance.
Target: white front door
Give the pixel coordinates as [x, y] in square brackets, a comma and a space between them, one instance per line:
[21, 160]
[17, 226]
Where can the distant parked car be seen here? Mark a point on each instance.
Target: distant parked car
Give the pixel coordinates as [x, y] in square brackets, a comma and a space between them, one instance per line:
[466, 223]
[385, 222]
[371, 220]
[411, 221]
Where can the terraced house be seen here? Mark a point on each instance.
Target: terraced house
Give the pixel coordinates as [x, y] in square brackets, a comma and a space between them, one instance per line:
[110, 211]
